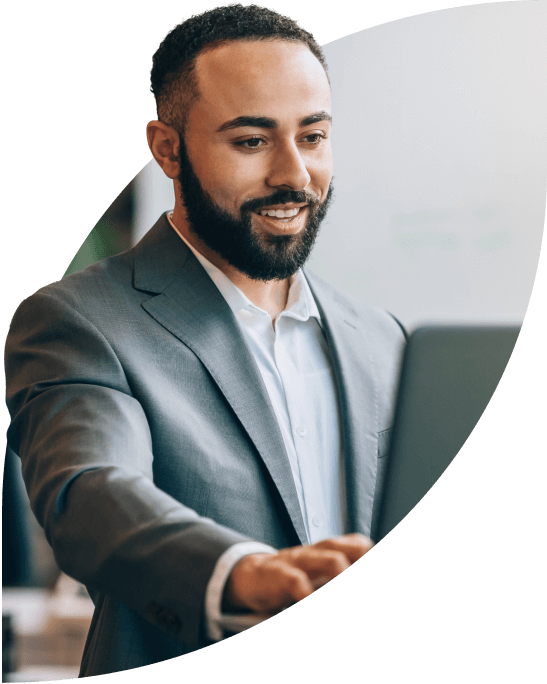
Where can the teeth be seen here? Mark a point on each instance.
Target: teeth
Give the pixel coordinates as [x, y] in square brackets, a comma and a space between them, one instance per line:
[280, 213]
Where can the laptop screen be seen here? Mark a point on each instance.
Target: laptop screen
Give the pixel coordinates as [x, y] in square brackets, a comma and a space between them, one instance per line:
[448, 376]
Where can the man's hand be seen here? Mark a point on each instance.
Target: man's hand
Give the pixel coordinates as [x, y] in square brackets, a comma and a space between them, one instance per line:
[268, 583]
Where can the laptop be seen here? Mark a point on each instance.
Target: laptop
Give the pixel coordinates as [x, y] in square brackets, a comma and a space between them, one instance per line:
[448, 376]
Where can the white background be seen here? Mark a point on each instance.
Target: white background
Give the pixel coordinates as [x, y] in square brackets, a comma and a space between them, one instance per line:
[440, 157]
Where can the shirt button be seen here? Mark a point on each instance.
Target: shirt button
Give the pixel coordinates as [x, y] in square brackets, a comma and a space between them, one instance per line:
[317, 520]
[301, 430]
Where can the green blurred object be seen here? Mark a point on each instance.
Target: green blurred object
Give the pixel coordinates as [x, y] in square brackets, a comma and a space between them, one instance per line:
[111, 235]
[103, 241]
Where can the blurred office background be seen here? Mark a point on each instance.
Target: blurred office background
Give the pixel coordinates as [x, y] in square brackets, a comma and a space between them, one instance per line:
[45, 614]
[440, 149]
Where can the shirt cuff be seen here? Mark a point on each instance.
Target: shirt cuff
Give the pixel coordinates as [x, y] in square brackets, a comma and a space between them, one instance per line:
[217, 622]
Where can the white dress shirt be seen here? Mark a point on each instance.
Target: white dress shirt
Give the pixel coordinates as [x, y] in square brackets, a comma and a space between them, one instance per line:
[295, 364]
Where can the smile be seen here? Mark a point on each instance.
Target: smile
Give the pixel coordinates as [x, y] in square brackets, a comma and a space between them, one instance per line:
[290, 222]
[280, 214]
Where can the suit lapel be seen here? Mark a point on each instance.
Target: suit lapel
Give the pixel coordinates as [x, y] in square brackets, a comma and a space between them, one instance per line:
[189, 305]
[358, 394]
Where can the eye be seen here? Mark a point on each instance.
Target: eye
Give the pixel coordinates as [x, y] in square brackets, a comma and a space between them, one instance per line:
[250, 143]
[253, 143]
[315, 138]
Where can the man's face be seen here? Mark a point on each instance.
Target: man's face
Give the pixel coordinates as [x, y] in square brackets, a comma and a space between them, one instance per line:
[257, 143]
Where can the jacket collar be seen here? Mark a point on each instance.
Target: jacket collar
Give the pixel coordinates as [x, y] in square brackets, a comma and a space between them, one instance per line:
[358, 388]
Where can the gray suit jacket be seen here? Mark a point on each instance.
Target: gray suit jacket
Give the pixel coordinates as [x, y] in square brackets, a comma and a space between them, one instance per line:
[149, 444]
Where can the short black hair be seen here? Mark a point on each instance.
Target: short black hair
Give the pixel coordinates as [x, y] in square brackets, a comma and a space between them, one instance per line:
[173, 78]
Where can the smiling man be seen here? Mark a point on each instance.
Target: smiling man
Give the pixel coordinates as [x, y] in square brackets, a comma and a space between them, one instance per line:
[202, 425]
[252, 175]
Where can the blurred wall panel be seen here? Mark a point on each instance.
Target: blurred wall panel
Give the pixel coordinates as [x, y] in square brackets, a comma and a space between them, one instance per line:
[153, 196]
[440, 150]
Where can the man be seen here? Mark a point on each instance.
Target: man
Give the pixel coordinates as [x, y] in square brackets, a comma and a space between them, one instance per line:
[188, 408]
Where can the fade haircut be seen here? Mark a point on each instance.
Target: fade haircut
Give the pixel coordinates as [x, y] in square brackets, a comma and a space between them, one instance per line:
[173, 76]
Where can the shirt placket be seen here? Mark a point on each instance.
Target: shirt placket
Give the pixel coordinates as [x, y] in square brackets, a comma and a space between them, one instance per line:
[299, 405]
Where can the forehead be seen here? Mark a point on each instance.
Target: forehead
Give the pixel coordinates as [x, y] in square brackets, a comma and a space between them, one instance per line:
[275, 78]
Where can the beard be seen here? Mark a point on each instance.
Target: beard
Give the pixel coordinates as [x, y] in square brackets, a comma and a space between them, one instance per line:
[259, 256]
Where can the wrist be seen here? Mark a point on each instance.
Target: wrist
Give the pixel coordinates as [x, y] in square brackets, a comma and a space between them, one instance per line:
[238, 584]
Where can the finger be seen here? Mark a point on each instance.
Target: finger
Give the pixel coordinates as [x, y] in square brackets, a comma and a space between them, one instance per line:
[320, 562]
[297, 584]
[319, 582]
[354, 546]
[279, 586]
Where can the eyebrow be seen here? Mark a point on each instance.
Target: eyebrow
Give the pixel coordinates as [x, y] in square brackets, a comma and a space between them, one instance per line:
[268, 122]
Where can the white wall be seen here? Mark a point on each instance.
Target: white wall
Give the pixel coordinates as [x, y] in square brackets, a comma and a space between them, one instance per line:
[440, 152]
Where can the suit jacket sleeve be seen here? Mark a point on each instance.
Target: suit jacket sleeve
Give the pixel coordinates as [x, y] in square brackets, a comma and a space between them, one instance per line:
[87, 455]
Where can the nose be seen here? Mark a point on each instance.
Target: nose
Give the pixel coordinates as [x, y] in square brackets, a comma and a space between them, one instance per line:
[288, 169]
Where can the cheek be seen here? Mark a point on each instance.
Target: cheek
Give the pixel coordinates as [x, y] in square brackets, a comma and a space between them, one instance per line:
[321, 175]
[231, 180]
[319, 164]
[216, 170]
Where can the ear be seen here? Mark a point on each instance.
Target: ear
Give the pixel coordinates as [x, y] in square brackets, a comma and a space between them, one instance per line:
[164, 144]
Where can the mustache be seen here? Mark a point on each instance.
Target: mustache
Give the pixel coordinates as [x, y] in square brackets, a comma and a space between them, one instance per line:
[280, 197]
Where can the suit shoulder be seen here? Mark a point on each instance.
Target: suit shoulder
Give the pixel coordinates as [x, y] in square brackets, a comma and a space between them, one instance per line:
[98, 278]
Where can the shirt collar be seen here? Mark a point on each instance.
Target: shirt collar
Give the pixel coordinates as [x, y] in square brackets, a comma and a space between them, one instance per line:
[300, 303]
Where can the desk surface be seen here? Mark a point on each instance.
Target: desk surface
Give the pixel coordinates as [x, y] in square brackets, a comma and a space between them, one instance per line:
[42, 673]
[49, 629]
